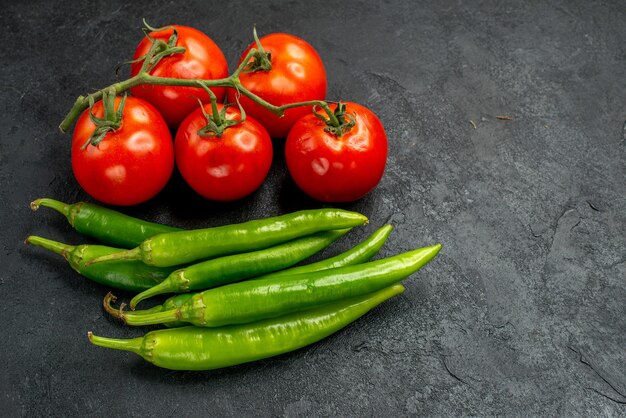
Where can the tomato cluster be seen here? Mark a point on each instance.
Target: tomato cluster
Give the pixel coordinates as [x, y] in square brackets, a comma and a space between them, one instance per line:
[132, 163]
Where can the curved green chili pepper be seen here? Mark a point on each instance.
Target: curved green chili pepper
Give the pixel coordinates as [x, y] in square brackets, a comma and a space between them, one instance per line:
[106, 225]
[254, 300]
[232, 268]
[193, 348]
[132, 276]
[356, 255]
[185, 247]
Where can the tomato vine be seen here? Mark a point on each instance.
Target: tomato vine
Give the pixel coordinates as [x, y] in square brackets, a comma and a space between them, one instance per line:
[159, 50]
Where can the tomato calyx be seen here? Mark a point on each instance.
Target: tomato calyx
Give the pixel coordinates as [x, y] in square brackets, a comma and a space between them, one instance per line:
[111, 121]
[217, 122]
[338, 122]
[160, 49]
[260, 59]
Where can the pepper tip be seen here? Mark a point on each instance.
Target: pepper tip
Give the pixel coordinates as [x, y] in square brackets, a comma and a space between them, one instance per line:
[436, 248]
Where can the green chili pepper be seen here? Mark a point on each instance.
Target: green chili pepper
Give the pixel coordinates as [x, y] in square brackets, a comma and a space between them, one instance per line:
[185, 247]
[105, 225]
[232, 268]
[254, 300]
[132, 276]
[356, 255]
[193, 348]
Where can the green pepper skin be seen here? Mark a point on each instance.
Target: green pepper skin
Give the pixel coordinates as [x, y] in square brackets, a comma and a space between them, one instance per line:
[254, 300]
[132, 276]
[358, 254]
[186, 247]
[193, 348]
[232, 268]
[106, 225]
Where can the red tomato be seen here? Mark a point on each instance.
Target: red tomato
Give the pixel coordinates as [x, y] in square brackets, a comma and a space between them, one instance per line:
[202, 59]
[223, 168]
[297, 75]
[130, 165]
[337, 169]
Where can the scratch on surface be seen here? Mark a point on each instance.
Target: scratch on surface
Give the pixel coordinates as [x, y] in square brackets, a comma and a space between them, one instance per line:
[388, 81]
[592, 206]
[445, 365]
[607, 396]
[565, 11]
[532, 232]
[604, 379]
[503, 325]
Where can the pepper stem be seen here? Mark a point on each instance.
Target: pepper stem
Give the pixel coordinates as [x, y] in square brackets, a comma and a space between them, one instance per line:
[164, 287]
[133, 345]
[60, 207]
[139, 317]
[48, 244]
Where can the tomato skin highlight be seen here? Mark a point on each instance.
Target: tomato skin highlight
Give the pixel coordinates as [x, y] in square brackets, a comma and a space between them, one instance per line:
[202, 59]
[337, 169]
[297, 75]
[223, 168]
[130, 165]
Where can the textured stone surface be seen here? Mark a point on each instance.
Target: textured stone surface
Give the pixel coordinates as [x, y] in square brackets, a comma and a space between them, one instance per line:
[524, 311]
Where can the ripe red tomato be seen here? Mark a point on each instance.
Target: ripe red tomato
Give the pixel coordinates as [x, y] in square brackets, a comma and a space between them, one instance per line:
[297, 75]
[131, 164]
[223, 168]
[334, 168]
[202, 59]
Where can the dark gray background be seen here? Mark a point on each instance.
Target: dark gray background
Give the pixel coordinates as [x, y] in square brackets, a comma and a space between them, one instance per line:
[523, 312]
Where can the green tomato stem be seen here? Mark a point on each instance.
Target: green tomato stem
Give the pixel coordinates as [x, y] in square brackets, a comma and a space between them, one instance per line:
[82, 102]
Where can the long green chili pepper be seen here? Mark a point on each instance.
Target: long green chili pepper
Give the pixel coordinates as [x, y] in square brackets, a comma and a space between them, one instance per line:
[236, 267]
[106, 225]
[132, 276]
[193, 348]
[185, 247]
[356, 255]
[254, 300]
